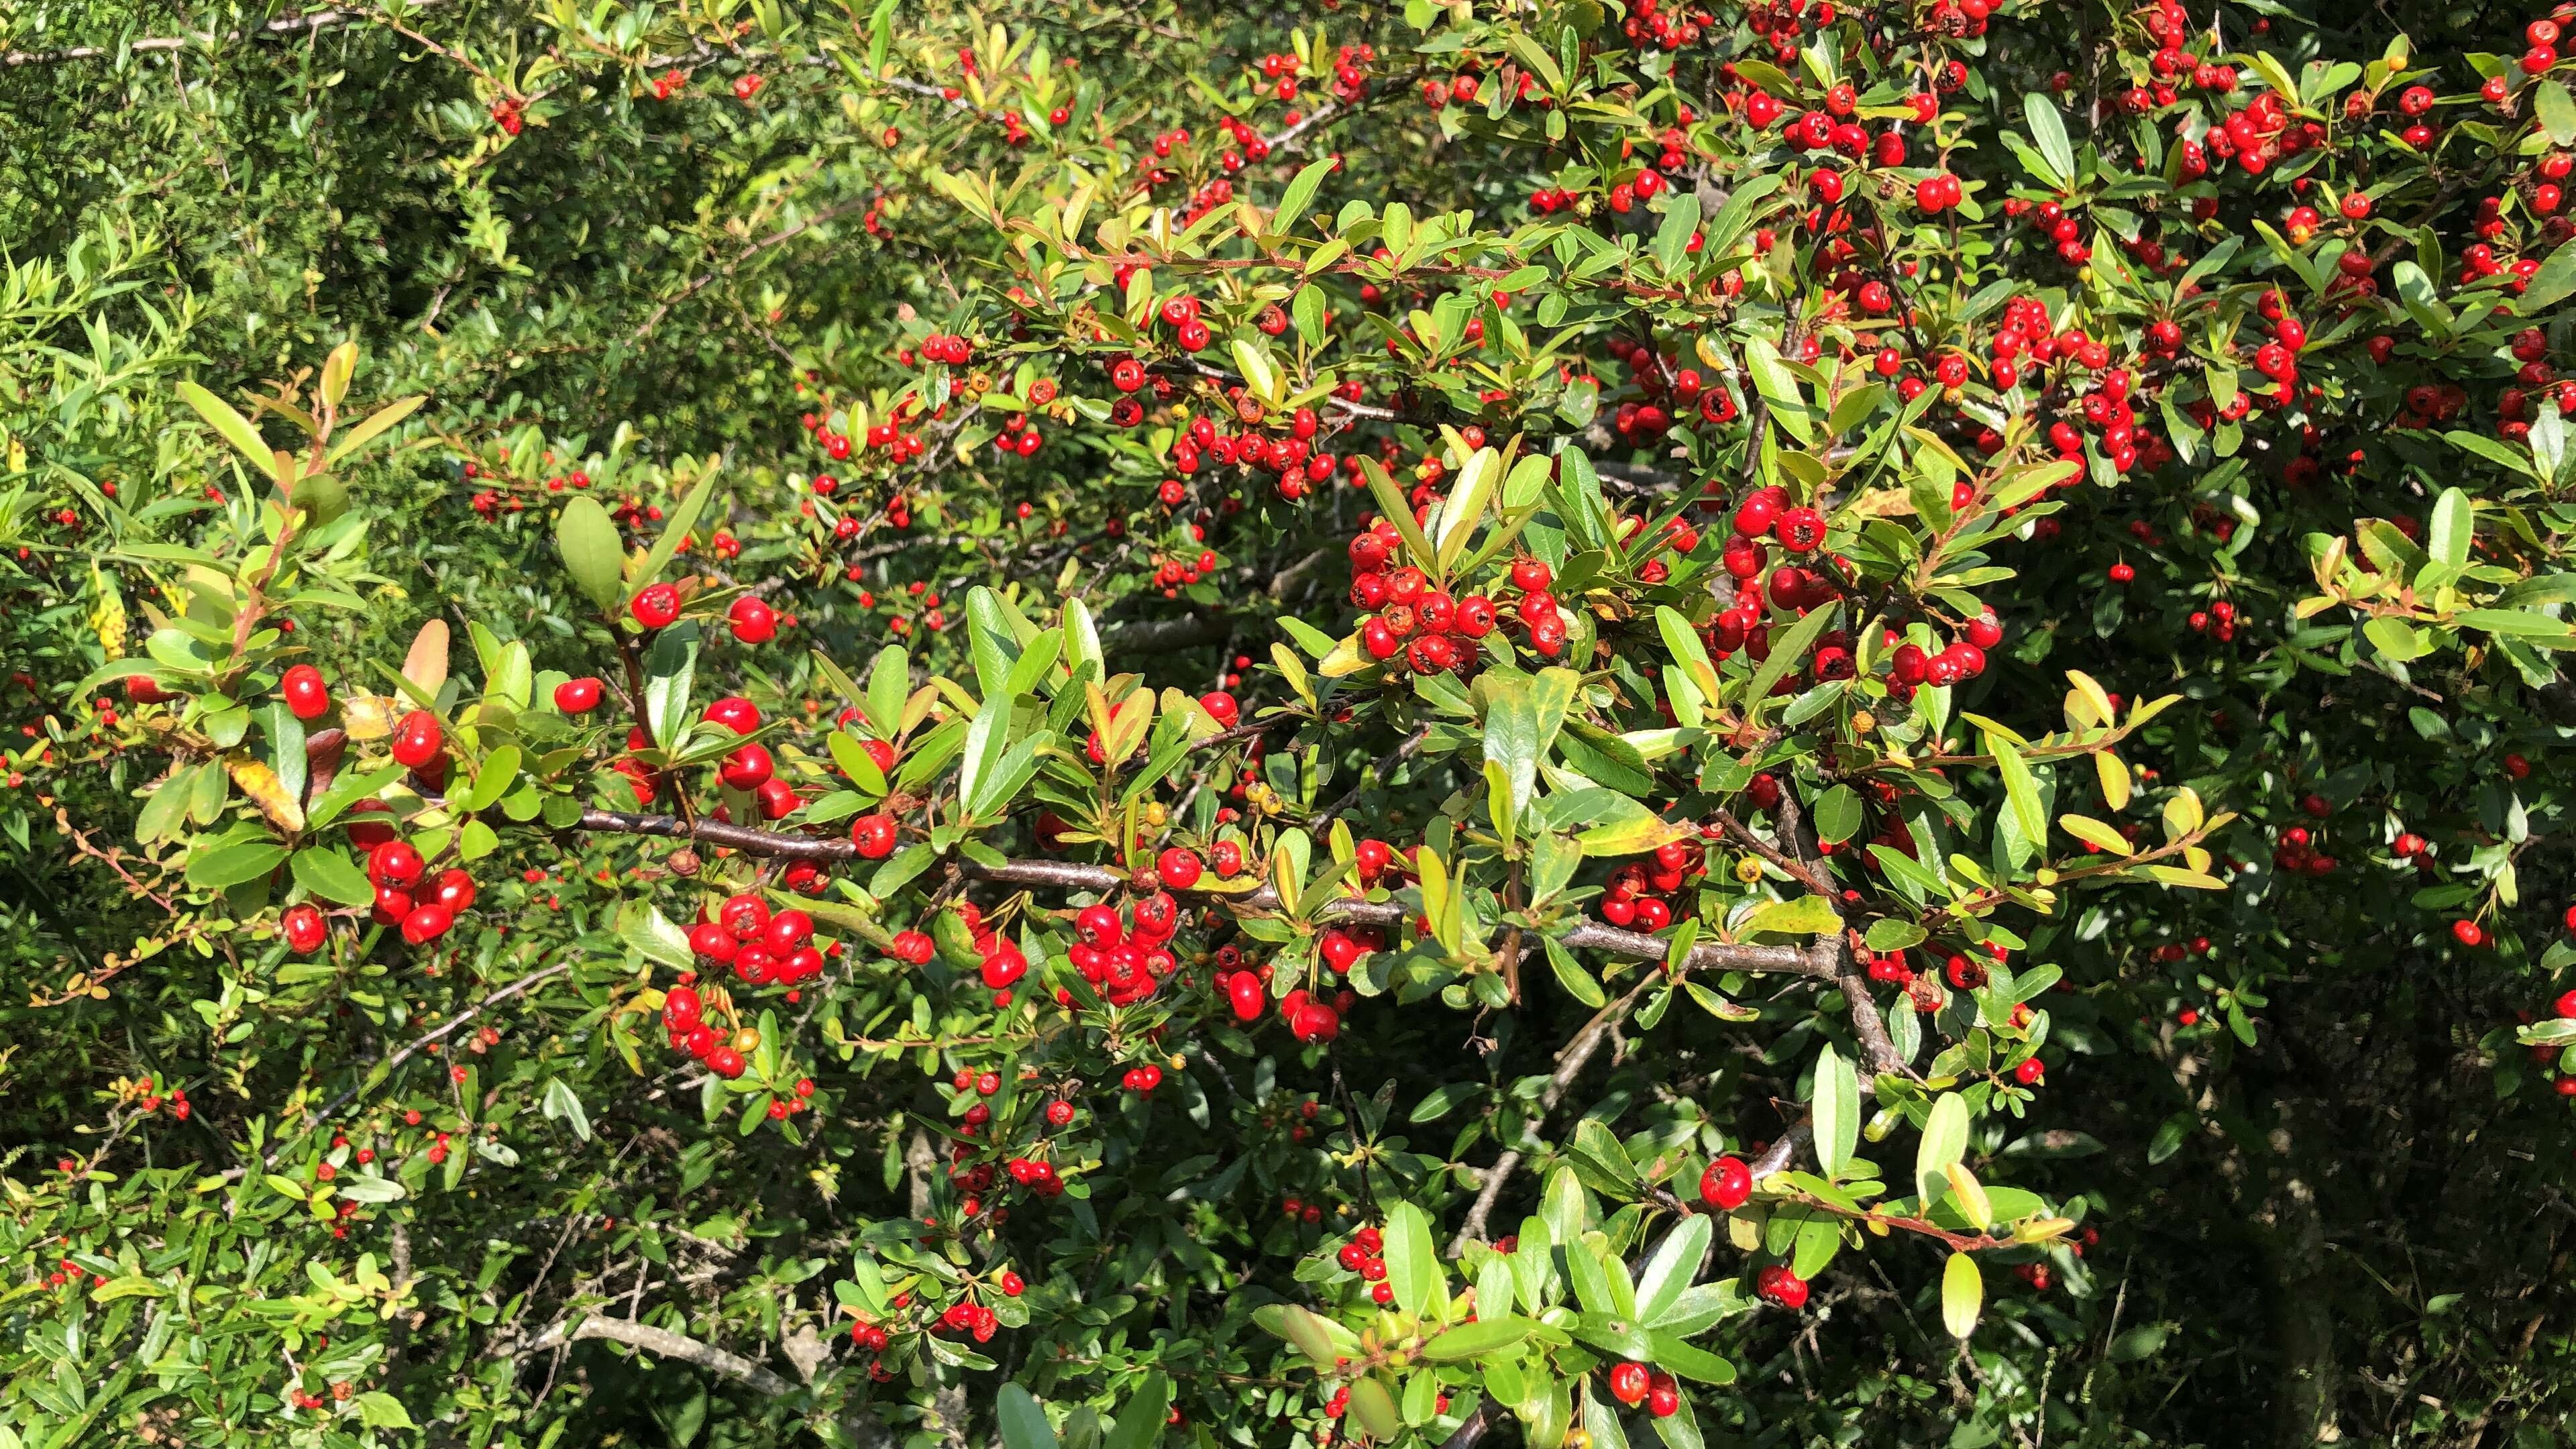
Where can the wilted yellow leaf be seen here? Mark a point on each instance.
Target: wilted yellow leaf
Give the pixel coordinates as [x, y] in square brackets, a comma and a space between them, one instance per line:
[367, 716]
[265, 790]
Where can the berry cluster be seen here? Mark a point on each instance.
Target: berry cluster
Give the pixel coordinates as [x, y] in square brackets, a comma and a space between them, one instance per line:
[763, 949]
[395, 870]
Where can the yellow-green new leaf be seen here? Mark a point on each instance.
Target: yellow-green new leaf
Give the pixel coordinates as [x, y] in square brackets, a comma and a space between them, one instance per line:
[2094, 832]
[237, 430]
[2116, 784]
[1970, 1193]
[1837, 1111]
[1945, 1139]
[374, 423]
[1465, 506]
[2182, 813]
[2021, 788]
[1963, 1295]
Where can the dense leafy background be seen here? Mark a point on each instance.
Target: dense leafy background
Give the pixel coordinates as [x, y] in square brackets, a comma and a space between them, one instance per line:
[2335, 1205]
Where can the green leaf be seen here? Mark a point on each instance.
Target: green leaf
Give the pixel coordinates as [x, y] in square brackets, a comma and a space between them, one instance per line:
[1626, 828]
[1672, 239]
[2556, 113]
[676, 526]
[1687, 650]
[1141, 1422]
[1511, 738]
[592, 553]
[563, 1104]
[236, 429]
[1837, 814]
[991, 640]
[379, 1410]
[852, 758]
[327, 873]
[1373, 1407]
[374, 423]
[2048, 132]
[1300, 194]
[1945, 1138]
[2021, 789]
[231, 865]
[1303, 1328]
[1780, 390]
[1836, 1106]
[670, 673]
[649, 931]
[1023, 1424]
[1412, 1262]
[499, 771]
[889, 685]
[1466, 505]
[1675, 1262]
[1682, 1360]
[1788, 651]
[1390, 501]
[2454, 524]
[1809, 915]
[987, 740]
[2552, 284]
[1477, 1339]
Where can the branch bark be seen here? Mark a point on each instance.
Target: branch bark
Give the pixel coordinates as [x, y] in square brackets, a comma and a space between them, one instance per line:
[1813, 960]
[284, 25]
[663, 1343]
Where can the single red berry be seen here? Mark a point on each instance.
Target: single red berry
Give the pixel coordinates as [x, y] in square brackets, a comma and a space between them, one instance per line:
[305, 693]
[753, 622]
[874, 835]
[305, 930]
[577, 696]
[427, 923]
[417, 739]
[748, 767]
[1726, 1184]
[656, 606]
[1177, 868]
[1628, 1383]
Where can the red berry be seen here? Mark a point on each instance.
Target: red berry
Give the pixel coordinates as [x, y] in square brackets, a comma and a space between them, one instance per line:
[305, 693]
[656, 606]
[427, 923]
[1628, 1383]
[417, 739]
[305, 929]
[1178, 868]
[1726, 1184]
[748, 767]
[753, 622]
[874, 835]
[577, 696]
